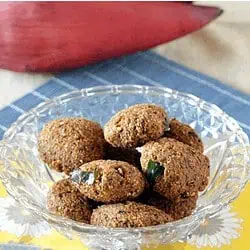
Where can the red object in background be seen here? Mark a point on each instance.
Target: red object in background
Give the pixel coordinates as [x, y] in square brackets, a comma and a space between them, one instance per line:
[52, 36]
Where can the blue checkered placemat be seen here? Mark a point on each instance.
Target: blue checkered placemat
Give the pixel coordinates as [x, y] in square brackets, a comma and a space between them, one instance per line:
[145, 68]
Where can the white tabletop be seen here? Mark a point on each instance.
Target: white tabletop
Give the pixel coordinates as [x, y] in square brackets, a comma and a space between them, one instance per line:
[221, 50]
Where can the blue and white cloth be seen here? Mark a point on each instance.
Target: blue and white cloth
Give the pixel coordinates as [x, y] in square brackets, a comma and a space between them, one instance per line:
[145, 68]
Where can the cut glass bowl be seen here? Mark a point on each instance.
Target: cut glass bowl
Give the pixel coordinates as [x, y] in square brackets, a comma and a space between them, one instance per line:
[27, 179]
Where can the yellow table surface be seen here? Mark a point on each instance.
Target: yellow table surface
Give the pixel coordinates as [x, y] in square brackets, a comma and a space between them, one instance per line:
[231, 226]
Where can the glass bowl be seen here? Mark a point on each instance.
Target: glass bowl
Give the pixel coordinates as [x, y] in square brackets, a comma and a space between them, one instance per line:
[27, 179]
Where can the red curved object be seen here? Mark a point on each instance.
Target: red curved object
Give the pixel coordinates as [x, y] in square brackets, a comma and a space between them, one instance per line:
[52, 36]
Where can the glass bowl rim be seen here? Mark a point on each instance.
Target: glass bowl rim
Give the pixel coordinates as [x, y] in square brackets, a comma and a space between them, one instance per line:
[115, 89]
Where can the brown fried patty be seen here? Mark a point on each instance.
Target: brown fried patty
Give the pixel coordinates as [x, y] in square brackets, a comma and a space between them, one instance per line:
[179, 208]
[186, 170]
[64, 199]
[184, 133]
[67, 143]
[136, 125]
[115, 181]
[129, 214]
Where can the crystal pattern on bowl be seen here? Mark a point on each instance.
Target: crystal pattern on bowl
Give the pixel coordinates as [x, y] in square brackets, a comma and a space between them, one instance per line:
[27, 179]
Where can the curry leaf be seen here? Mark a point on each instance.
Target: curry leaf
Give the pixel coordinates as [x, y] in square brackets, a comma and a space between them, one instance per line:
[154, 170]
[79, 176]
